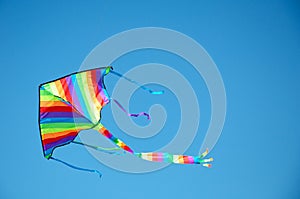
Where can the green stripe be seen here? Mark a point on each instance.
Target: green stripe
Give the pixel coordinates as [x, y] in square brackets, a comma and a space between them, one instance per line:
[64, 125]
[169, 157]
[47, 88]
[45, 92]
[58, 130]
[47, 156]
[82, 84]
[49, 98]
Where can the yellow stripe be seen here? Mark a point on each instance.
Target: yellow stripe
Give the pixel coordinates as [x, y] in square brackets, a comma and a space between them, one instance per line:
[181, 160]
[82, 84]
[49, 98]
[53, 88]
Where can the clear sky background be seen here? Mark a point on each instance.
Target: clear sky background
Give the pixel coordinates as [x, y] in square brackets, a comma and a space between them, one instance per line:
[256, 46]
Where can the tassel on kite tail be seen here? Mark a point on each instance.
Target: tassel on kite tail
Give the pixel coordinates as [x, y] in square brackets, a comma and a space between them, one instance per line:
[136, 83]
[204, 161]
[77, 168]
[157, 156]
[177, 159]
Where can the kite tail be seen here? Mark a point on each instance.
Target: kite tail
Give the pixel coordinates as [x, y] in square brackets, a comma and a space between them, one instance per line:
[138, 84]
[177, 159]
[131, 114]
[157, 156]
[77, 168]
[99, 127]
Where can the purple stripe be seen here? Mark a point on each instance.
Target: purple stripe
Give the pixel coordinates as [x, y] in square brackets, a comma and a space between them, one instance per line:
[59, 142]
[99, 82]
[74, 94]
[60, 114]
[98, 77]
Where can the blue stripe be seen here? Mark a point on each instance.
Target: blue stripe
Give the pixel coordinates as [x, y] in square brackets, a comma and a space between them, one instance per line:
[64, 120]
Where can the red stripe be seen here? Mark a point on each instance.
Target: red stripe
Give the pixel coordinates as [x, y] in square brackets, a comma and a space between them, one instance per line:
[126, 148]
[96, 87]
[50, 140]
[65, 86]
[56, 109]
[106, 133]
[186, 159]
[94, 81]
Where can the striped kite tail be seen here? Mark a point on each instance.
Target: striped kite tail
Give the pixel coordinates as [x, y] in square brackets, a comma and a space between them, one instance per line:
[157, 156]
[100, 128]
[177, 159]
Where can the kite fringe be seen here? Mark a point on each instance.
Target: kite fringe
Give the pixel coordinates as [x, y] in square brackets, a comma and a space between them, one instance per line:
[77, 168]
[204, 153]
[138, 84]
[207, 165]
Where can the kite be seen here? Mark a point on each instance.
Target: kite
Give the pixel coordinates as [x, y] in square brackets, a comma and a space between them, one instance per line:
[73, 103]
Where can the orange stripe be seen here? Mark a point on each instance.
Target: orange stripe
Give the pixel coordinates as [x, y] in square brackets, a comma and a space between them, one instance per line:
[51, 103]
[91, 85]
[54, 135]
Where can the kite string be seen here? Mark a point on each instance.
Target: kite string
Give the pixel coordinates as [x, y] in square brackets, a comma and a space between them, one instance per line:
[130, 114]
[138, 84]
[98, 148]
[77, 168]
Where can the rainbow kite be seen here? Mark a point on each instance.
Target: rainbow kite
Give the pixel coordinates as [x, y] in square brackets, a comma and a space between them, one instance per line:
[73, 103]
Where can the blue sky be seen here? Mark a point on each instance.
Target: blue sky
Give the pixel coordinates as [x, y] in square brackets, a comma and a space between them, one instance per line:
[255, 45]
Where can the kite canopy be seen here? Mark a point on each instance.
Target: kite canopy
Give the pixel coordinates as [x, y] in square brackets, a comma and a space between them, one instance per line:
[69, 105]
